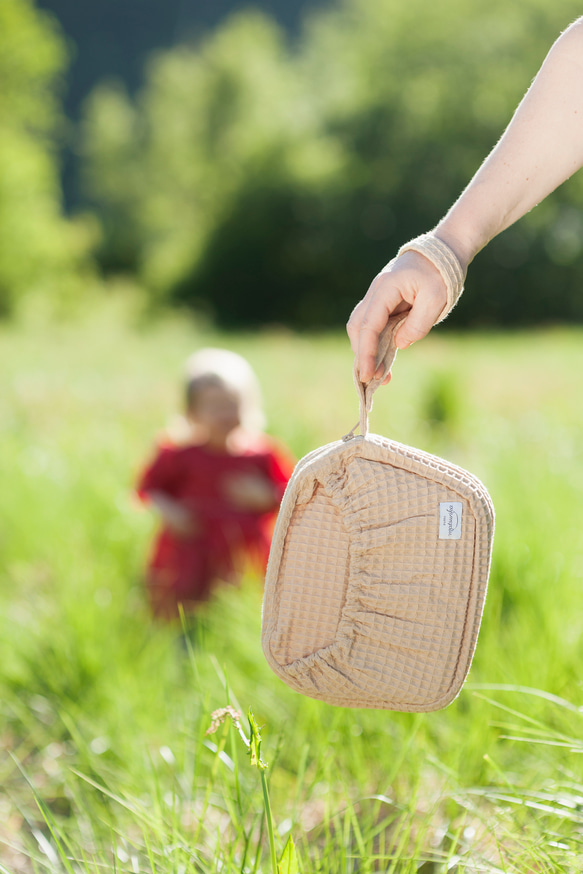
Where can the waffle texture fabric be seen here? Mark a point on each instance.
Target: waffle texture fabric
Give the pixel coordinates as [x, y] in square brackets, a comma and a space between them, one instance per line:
[377, 576]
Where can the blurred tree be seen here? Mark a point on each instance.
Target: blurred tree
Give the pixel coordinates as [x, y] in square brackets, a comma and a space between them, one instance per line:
[169, 171]
[266, 185]
[113, 38]
[39, 250]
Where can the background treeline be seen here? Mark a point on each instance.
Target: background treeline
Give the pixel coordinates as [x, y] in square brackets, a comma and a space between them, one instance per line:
[41, 253]
[263, 181]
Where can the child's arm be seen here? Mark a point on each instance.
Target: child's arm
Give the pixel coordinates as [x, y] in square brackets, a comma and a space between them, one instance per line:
[175, 516]
[252, 492]
[542, 146]
[262, 492]
[158, 483]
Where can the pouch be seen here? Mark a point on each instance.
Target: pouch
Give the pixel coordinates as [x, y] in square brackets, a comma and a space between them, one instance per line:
[378, 571]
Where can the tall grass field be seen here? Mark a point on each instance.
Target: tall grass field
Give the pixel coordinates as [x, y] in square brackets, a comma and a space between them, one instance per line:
[105, 760]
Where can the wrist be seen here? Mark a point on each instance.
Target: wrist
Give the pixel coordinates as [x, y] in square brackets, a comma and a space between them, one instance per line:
[468, 227]
[446, 262]
[464, 250]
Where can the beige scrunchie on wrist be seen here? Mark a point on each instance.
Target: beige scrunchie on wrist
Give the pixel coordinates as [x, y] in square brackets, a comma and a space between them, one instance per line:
[442, 258]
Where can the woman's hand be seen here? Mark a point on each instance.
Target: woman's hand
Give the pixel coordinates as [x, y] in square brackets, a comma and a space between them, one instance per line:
[411, 283]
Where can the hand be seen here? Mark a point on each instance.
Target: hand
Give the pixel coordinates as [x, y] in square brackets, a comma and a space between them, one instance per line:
[250, 492]
[410, 283]
[180, 521]
[176, 517]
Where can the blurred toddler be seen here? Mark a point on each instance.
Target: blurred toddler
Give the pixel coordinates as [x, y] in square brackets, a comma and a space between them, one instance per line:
[217, 486]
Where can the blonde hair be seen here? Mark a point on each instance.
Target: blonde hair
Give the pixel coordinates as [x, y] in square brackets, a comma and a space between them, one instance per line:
[210, 367]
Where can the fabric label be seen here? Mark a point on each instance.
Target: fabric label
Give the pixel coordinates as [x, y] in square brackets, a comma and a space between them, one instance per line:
[450, 520]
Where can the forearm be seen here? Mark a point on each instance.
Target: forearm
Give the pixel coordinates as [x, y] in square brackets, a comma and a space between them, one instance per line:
[540, 149]
[542, 146]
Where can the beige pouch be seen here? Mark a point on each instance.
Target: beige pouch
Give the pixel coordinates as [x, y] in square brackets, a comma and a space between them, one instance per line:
[378, 571]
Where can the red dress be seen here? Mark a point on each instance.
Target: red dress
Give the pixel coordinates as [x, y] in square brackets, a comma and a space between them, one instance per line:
[182, 569]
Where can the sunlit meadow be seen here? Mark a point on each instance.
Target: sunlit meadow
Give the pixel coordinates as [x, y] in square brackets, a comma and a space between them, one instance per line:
[105, 764]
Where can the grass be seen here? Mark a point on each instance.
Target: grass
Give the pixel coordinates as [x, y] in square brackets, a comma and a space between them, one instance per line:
[105, 764]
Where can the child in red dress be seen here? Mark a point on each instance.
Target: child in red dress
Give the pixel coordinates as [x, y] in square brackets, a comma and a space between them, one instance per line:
[217, 494]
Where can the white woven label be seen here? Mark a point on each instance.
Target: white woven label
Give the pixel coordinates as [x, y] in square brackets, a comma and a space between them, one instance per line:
[450, 520]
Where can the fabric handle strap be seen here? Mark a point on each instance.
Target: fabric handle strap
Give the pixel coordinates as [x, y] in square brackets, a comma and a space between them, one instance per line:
[386, 354]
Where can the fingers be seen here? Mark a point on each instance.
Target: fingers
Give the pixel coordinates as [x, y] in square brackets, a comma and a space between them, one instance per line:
[410, 282]
[423, 314]
[367, 321]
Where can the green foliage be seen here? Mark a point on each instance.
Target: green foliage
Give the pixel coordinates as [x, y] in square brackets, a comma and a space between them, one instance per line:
[289, 859]
[40, 251]
[173, 165]
[267, 184]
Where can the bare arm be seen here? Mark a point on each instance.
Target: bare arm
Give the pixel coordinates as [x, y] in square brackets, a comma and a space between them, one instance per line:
[540, 149]
[542, 146]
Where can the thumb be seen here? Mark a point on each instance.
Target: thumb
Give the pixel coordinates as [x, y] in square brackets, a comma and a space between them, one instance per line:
[418, 323]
